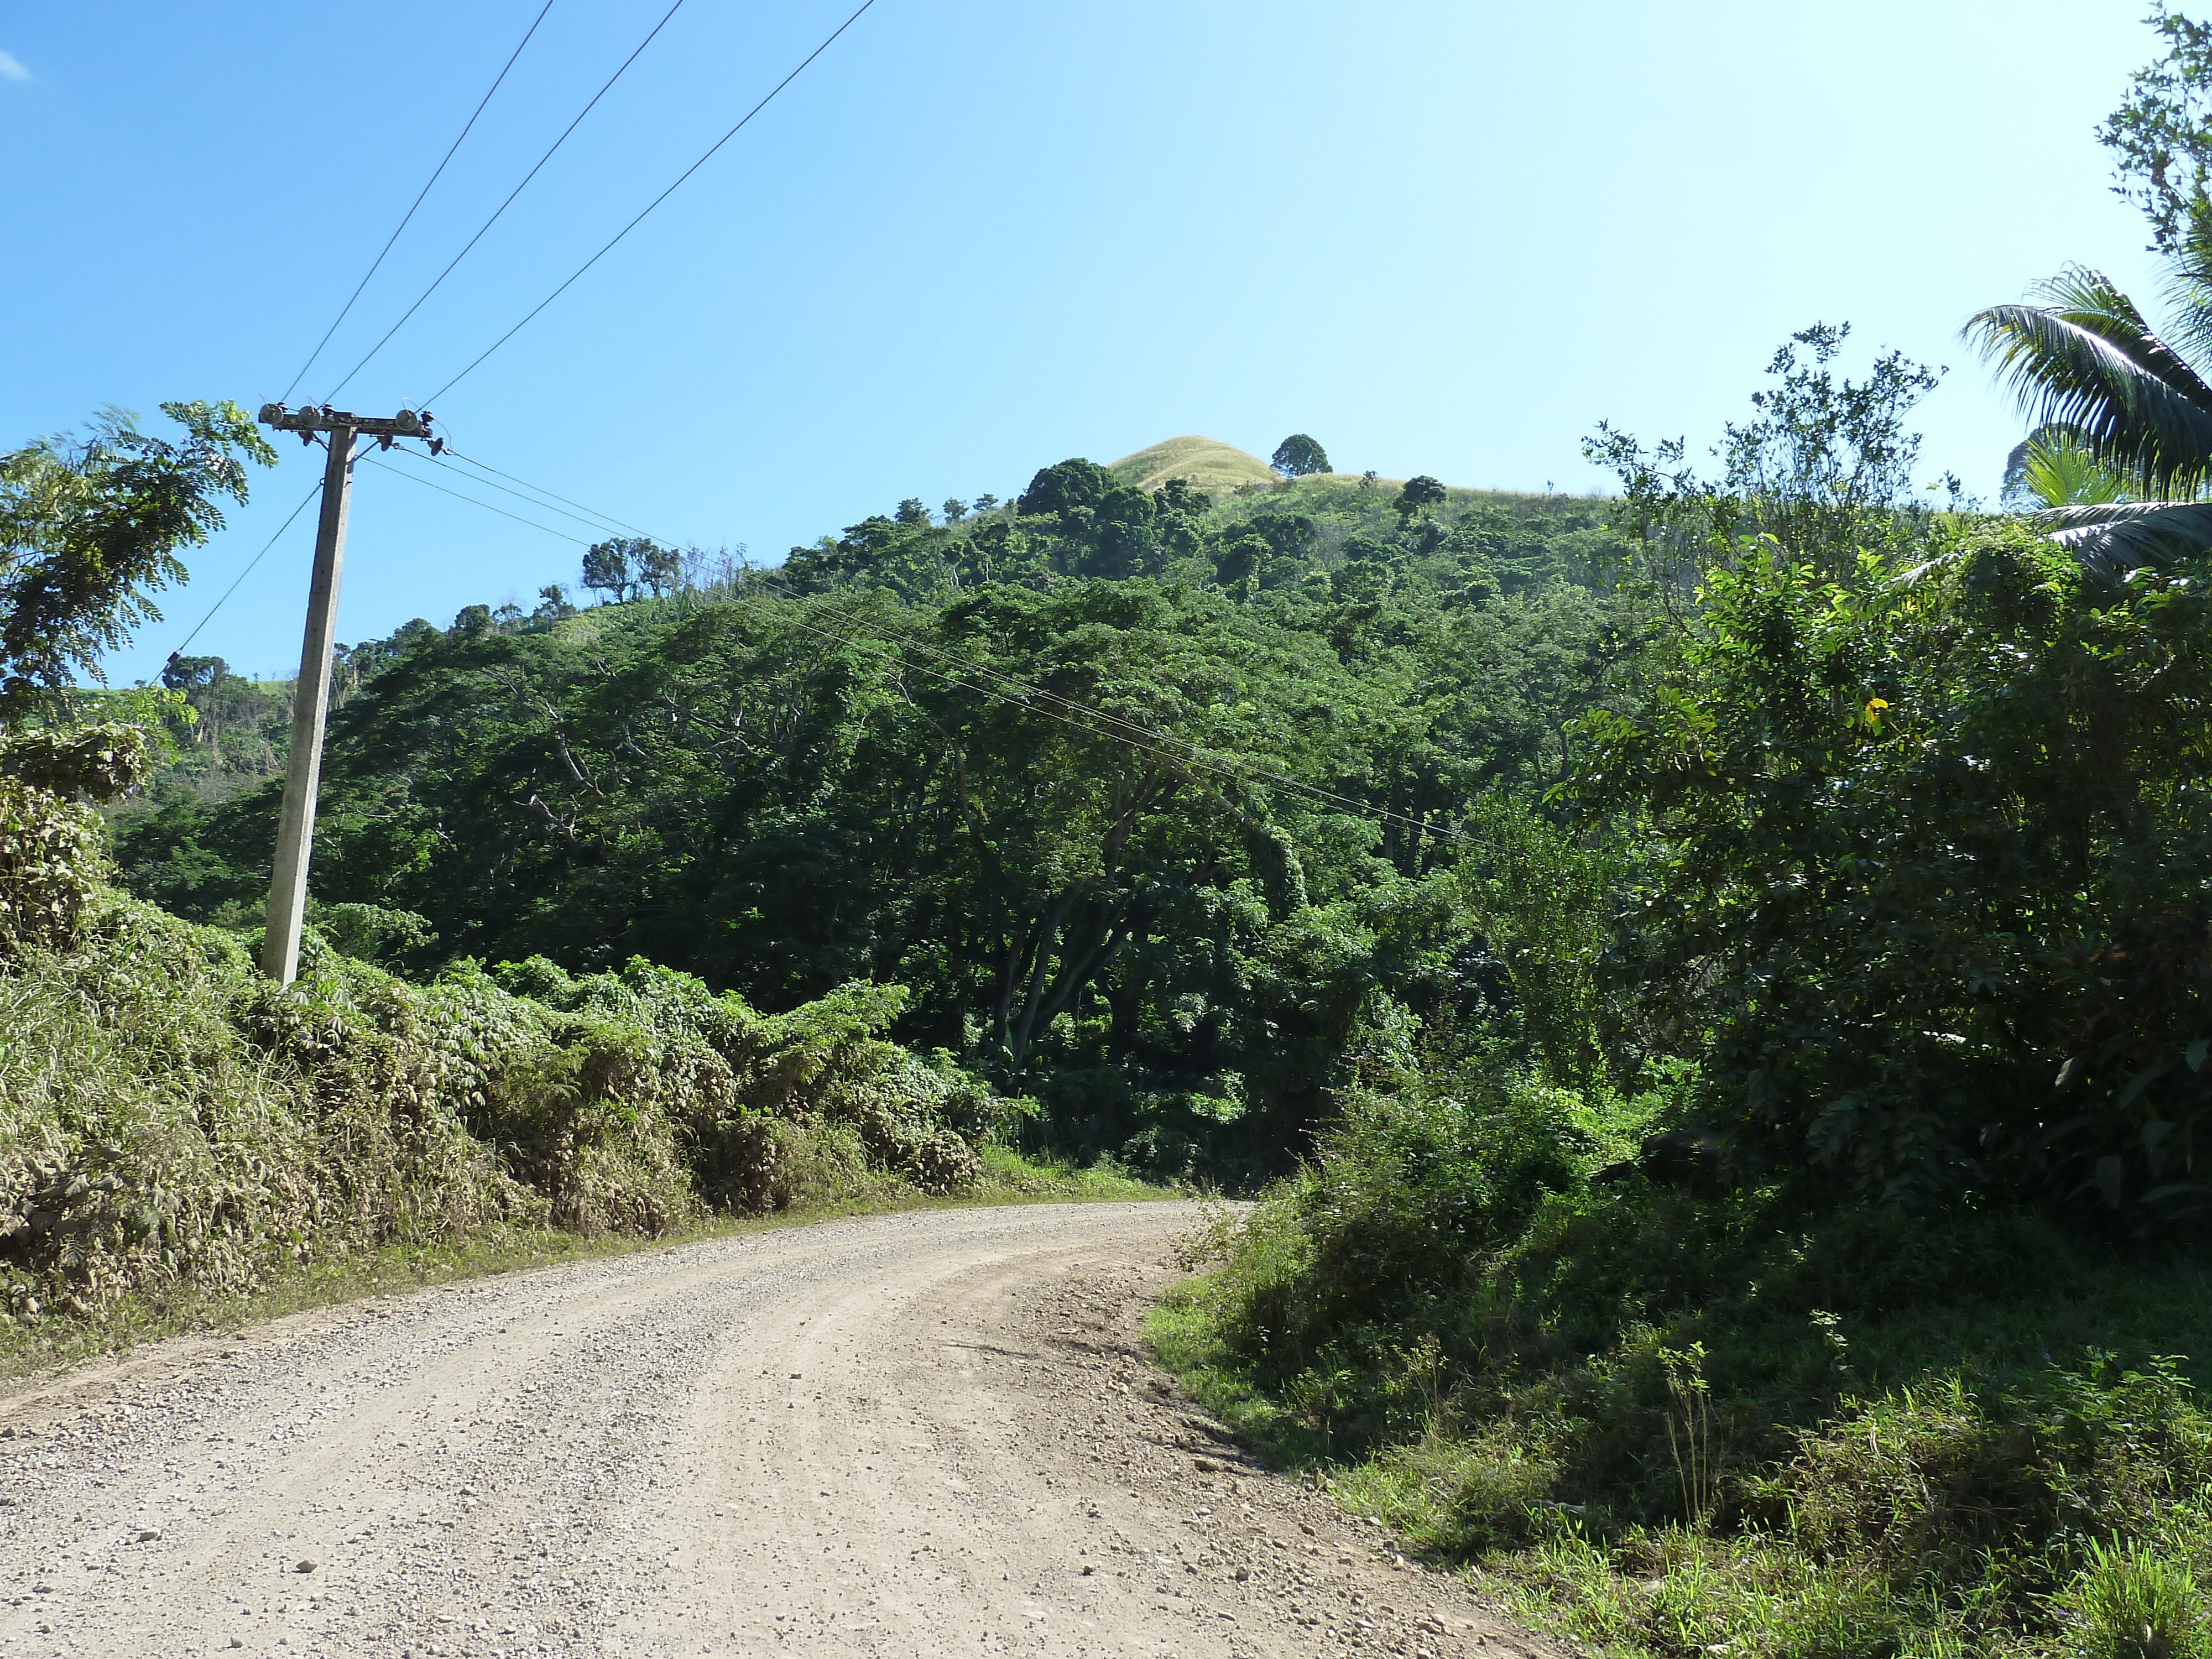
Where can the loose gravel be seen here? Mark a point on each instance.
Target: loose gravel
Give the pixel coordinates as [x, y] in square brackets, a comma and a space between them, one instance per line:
[933, 1433]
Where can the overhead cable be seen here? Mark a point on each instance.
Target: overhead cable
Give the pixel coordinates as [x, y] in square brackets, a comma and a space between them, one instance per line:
[377, 262]
[504, 205]
[825, 45]
[471, 499]
[248, 571]
[451, 453]
[575, 510]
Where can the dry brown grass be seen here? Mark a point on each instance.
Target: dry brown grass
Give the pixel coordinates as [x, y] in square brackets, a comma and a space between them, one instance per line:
[1206, 462]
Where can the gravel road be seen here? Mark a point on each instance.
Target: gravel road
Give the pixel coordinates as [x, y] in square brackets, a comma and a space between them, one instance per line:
[922, 1434]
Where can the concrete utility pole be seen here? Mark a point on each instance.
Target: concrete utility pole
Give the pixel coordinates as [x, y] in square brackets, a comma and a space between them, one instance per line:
[311, 694]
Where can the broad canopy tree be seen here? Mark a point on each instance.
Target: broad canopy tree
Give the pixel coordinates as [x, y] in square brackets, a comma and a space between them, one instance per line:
[1299, 457]
[1418, 493]
[607, 566]
[90, 529]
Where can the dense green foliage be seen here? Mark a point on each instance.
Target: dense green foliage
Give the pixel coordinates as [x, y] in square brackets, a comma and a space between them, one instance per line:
[1668, 1418]
[1813, 1296]
[1040, 768]
[174, 1123]
[88, 529]
[1824, 1280]
[1928, 868]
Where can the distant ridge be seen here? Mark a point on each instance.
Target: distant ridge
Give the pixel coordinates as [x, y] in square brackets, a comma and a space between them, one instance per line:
[1206, 462]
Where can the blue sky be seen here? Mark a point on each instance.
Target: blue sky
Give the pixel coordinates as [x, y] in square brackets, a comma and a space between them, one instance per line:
[977, 237]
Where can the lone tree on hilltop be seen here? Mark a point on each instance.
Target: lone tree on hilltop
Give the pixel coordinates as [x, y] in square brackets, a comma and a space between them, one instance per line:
[193, 673]
[1297, 456]
[1420, 492]
[607, 566]
[661, 569]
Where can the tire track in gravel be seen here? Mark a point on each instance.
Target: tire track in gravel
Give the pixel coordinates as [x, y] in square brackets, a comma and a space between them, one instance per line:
[931, 1433]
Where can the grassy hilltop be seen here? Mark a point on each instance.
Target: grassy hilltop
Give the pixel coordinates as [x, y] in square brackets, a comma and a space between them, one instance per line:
[1207, 463]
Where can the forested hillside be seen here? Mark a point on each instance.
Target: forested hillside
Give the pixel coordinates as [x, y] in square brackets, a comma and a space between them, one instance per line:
[1157, 804]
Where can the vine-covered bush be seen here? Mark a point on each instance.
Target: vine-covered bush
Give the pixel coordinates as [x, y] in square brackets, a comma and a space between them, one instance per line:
[169, 1118]
[53, 852]
[95, 762]
[719, 1065]
[50, 864]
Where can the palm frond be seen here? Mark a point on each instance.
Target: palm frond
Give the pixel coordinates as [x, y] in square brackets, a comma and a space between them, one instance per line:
[2089, 362]
[2093, 302]
[2054, 466]
[2189, 306]
[2189, 296]
[2121, 535]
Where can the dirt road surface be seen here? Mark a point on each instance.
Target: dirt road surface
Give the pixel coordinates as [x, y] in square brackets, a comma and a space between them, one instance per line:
[922, 1434]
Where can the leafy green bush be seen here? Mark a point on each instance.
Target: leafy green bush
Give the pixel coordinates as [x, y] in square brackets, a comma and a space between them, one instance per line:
[169, 1118]
[1676, 1418]
[97, 763]
[373, 932]
[720, 1065]
[1931, 872]
[51, 864]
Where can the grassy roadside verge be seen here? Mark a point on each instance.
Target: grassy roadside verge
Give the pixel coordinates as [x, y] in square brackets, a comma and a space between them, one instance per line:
[1660, 1425]
[29, 1355]
[2059, 1515]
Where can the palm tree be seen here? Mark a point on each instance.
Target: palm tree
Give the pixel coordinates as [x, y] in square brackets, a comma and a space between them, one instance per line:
[2124, 439]
[2051, 467]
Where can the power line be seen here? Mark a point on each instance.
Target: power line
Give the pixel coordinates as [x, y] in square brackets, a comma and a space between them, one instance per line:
[472, 501]
[248, 571]
[1006, 688]
[452, 453]
[504, 206]
[649, 207]
[375, 263]
[581, 513]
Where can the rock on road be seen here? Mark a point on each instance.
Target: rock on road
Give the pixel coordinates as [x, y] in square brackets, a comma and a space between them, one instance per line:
[919, 1434]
